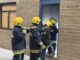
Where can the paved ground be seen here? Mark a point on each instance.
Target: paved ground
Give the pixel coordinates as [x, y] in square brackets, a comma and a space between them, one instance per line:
[7, 55]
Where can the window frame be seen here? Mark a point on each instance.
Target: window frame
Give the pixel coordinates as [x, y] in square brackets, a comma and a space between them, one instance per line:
[2, 4]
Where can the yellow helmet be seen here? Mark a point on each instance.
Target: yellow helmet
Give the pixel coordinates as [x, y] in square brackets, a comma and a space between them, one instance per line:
[48, 24]
[52, 20]
[36, 20]
[18, 21]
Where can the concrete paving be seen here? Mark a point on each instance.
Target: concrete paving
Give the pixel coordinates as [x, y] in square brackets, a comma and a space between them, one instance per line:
[7, 55]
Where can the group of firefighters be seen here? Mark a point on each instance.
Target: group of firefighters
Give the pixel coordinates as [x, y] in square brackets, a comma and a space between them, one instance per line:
[42, 38]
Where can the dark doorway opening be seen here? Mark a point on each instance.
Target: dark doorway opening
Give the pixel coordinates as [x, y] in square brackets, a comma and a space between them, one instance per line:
[48, 9]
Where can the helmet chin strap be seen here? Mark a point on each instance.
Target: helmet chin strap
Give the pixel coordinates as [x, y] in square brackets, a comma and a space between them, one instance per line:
[19, 24]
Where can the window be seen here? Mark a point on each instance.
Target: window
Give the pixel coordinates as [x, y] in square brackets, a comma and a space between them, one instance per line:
[8, 14]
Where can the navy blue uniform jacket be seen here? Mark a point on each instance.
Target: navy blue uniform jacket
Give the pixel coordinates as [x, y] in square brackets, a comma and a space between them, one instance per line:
[45, 36]
[54, 32]
[18, 39]
[35, 38]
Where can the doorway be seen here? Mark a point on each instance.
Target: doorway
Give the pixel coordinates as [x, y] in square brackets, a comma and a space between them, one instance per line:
[49, 9]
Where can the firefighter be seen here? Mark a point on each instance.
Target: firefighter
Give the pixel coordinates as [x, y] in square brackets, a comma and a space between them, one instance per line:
[45, 38]
[54, 31]
[36, 45]
[18, 39]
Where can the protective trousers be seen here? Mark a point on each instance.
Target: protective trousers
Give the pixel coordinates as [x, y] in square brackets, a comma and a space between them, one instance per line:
[18, 57]
[43, 53]
[35, 56]
[51, 50]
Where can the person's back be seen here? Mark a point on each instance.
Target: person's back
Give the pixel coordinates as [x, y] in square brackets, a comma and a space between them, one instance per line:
[18, 42]
[46, 36]
[35, 38]
[18, 39]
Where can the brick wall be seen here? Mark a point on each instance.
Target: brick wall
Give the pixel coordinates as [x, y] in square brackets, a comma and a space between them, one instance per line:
[27, 9]
[69, 33]
[5, 38]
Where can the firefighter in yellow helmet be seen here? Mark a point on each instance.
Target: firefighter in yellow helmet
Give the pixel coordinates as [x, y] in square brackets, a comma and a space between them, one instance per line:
[36, 20]
[18, 39]
[54, 31]
[53, 20]
[48, 24]
[36, 45]
[18, 21]
[45, 37]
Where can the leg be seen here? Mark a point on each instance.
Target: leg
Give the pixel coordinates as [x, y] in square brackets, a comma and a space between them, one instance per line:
[43, 54]
[54, 48]
[22, 56]
[49, 50]
[34, 56]
[16, 57]
[31, 56]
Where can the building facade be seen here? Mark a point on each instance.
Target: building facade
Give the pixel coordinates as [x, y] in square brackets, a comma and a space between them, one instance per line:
[67, 13]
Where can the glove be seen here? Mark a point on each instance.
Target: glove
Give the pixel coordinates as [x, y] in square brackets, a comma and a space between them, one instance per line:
[43, 47]
[24, 31]
[51, 42]
[28, 30]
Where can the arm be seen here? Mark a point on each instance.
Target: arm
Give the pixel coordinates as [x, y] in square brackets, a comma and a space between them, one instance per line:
[18, 34]
[55, 29]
